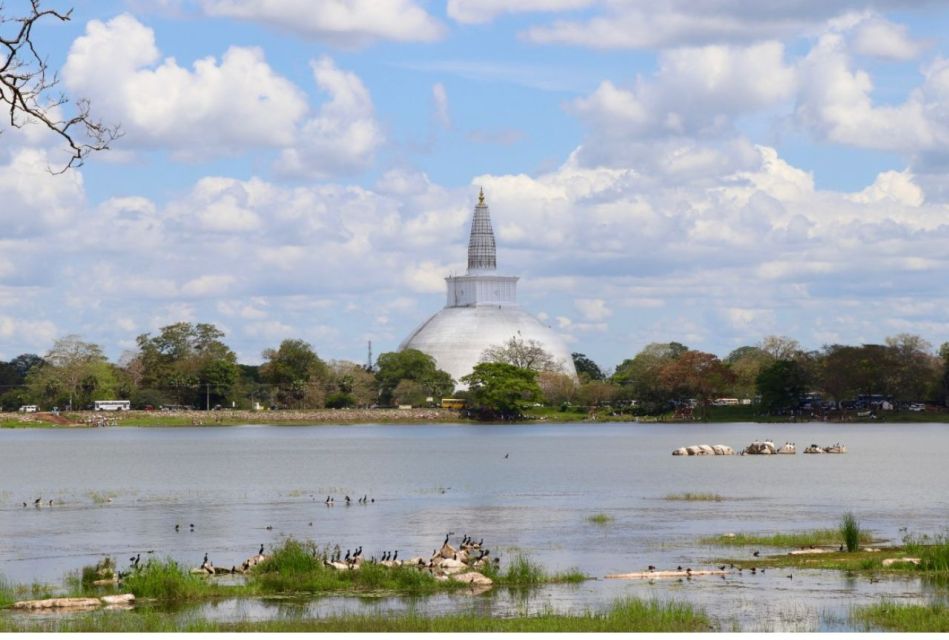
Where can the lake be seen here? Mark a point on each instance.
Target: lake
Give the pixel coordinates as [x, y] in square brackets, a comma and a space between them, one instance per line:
[522, 488]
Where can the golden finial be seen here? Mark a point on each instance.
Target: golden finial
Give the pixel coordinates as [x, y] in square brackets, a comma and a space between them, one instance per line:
[481, 198]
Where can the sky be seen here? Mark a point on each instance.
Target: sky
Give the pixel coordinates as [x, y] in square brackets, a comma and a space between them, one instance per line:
[709, 173]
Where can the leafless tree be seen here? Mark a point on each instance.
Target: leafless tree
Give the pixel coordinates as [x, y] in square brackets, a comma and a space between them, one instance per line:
[27, 88]
[529, 354]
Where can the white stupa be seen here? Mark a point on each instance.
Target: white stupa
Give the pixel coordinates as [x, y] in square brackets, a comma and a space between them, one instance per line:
[481, 311]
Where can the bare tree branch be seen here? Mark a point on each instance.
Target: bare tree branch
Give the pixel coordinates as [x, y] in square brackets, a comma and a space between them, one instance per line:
[26, 87]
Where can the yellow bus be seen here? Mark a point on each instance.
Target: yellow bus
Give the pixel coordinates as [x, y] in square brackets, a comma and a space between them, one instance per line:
[453, 403]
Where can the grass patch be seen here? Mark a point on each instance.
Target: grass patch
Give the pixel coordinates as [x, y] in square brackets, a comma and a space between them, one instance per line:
[933, 553]
[815, 537]
[600, 519]
[850, 531]
[166, 581]
[7, 593]
[297, 567]
[523, 572]
[690, 496]
[622, 616]
[894, 616]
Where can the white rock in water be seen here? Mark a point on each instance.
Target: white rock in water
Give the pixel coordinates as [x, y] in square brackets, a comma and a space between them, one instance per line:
[706, 450]
[473, 577]
[122, 598]
[452, 566]
[681, 451]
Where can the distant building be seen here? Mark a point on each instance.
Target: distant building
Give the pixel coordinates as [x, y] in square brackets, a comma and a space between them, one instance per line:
[481, 311]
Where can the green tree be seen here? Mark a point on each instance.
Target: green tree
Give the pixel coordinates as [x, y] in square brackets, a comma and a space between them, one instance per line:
[298, 376]
[354, 381]
[187, 362]
[781, 385]
[587, 370]
[639, 377]
[76, 372]
[411, 364]
[501, 390]
[746, 363]
[916, 372]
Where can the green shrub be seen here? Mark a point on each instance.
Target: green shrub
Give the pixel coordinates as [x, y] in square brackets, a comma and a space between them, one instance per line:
[166, 581]
[850, 531]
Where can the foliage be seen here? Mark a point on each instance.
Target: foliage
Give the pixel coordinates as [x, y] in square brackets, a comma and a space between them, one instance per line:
[410, 392]
[850, 531]
[74, 374]
[500, 389]
[411, 364]
[340, 400]
[296, 373]
[528, 354]
[596, 393]
[166, 581]
[745, 364]
[781, 385]
[557, 388]
[355, 381]
[695, 374]
[587, 370]
[189, 364]
[639, 379]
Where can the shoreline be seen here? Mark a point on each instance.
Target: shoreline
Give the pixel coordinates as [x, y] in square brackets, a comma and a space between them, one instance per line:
[420, 416]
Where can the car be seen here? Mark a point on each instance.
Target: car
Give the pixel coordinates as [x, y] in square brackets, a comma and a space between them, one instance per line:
[917, 406]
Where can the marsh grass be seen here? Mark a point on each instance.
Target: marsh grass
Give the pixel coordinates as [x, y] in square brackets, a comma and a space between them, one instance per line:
[297, 567]
[850, 531]
[600, 519]
[622, 616]
[933, 553]
[7, 593]
[690, 496]
[816, 537]
[894, 616]
[166, 581]
[522, 572]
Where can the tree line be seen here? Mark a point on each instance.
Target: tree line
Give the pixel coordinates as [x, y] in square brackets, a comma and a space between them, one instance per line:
[190, 365]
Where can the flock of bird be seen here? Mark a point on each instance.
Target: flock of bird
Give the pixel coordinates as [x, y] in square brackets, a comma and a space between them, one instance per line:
[331, 501]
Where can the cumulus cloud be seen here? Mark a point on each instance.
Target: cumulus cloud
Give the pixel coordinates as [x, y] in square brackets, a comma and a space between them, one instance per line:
[33, 201]
[344, 23]
[214, 107]
[884, 39]
[343, 136]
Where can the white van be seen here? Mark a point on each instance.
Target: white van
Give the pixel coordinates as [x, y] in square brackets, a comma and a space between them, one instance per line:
[29, 408]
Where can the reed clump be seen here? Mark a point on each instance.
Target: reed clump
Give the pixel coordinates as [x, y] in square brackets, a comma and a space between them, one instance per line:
[850, 531]
[600, 518]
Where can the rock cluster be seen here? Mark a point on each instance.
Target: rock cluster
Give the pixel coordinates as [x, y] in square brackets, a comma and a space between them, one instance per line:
[704, 450]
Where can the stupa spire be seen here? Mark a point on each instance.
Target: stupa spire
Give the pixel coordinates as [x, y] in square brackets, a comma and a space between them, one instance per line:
[482, 254]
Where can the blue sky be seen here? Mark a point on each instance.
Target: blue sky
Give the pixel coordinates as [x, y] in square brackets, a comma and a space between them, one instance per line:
[708, 173]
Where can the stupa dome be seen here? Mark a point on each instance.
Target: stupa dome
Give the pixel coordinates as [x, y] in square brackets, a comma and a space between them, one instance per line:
[481, 311]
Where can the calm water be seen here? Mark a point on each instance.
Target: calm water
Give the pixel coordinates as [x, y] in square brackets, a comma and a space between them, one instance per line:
[233, 483]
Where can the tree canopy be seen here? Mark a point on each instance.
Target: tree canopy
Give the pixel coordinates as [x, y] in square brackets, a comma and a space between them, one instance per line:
[499, 389]
[411, 364]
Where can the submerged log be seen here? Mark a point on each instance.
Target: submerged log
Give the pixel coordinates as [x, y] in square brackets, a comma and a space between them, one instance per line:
[648, 575]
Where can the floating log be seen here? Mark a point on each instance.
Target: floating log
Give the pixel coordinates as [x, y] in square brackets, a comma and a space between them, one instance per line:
[807, 552]
[648, 575]
[74, 603]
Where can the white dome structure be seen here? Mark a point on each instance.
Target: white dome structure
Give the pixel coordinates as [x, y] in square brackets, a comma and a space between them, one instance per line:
[481, 311]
